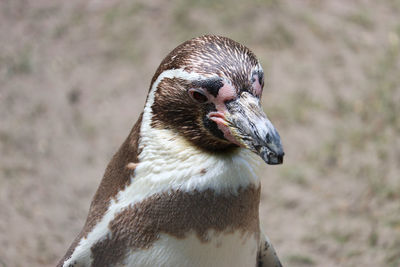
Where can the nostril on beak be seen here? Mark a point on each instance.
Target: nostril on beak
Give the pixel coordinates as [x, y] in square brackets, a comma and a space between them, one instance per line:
[271, 154]
[268, 138]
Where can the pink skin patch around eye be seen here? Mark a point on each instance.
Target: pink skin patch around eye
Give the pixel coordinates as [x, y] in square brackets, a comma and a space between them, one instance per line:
[225, 93]
[256, 85]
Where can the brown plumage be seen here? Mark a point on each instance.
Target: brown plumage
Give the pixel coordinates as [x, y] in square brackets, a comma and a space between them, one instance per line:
[192, 109]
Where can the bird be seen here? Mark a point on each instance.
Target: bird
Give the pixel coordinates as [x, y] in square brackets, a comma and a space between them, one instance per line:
[182, 188]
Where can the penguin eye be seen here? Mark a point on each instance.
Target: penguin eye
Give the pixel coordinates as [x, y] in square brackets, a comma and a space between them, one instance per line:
[198, 96]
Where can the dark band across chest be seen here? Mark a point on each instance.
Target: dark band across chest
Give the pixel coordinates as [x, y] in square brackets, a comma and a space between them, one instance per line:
[177, 213]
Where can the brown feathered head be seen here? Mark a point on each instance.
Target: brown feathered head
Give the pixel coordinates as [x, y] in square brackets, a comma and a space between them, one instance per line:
[208, 89]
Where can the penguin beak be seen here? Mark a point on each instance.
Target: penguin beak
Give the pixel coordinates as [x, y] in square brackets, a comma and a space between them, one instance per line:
[252, 129]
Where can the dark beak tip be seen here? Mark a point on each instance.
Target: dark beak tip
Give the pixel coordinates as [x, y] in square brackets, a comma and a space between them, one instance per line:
[271, 157]
[274, 159]
[280, 158]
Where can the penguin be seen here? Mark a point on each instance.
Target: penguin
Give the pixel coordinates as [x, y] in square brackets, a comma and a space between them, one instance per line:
[182, 189]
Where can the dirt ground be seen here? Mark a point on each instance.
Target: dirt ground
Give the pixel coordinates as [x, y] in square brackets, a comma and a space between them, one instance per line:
[74, 76]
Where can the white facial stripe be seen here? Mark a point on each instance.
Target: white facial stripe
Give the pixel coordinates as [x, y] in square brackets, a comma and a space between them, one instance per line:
[148, 113]
[168, 161]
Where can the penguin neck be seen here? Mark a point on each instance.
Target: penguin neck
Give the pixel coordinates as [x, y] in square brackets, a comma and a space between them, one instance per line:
[167, 160]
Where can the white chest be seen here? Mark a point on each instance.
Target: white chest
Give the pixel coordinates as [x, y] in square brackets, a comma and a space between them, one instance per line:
[227, 249]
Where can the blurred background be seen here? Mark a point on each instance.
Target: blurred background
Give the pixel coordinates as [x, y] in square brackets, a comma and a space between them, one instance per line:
[74, 76]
